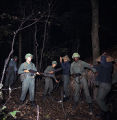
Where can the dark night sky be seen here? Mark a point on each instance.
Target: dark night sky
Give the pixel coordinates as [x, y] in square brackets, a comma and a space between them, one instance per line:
[74, 29]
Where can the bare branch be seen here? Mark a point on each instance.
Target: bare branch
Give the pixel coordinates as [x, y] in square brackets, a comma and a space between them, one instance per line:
[33, 22]
[12, 48]
[37, 112]
[45, 31]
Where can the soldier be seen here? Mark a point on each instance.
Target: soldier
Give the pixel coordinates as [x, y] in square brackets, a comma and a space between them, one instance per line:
[66, 75]
[105, 81]
[11, 72]
[78, 69]
[29, 80]
[48, 80]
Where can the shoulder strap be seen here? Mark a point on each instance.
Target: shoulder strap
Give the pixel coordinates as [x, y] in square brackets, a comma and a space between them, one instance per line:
[32, 65]
[25, 64]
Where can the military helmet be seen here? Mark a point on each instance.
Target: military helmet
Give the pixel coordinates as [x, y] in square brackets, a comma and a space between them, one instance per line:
[15, 57]
[75, 55]
[28, 55]
[54, 62]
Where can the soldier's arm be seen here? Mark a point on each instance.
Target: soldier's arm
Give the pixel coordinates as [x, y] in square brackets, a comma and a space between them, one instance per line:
[34, 68]
[21, 69]
[86, 65]
[15, 66]
[47, 70]
[71, 69]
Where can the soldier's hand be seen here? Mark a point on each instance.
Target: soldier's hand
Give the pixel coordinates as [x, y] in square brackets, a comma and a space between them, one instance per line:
[104, 54]
[51, 72]
[26, 70]
[57, 81]
[38, 73]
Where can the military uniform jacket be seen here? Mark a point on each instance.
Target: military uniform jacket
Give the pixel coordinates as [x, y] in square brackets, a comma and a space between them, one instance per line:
[49, 69]
[26, 66]
[79, 67]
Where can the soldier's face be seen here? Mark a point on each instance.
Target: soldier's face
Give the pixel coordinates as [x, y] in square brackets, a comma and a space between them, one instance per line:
[65, 60]
[15, 59]
[53, 65]
[76, 59]
[29, 59]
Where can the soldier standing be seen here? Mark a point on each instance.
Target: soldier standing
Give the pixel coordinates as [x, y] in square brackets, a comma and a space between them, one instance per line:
[105, 81]
[78, 68]
[29, 80]
[11, 72]
[48, 80]
[66, 75]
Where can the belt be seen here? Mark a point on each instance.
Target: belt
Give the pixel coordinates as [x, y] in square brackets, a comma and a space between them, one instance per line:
[76, 75]
[30, 76]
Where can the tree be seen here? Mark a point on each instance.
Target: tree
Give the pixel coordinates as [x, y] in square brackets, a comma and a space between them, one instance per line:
[95, 29]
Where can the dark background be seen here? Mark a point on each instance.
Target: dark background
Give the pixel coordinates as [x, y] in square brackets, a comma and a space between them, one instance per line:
[69, 30]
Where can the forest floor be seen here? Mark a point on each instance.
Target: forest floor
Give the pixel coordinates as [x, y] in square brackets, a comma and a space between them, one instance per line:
[50, 108]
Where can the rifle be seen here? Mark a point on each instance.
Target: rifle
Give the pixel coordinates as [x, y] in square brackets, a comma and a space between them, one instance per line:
[46, 74]
[34, 71]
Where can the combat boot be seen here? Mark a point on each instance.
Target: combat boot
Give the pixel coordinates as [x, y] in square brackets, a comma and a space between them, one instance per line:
[74, 105]
[21, 102]
[90, 108]
[66, 98]
[108, 115]
[32, 103]
[101, 115]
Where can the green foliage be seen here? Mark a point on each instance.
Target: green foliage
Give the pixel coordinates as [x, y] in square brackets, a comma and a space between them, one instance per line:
[6, 115]
[47, 116]
[13, 114]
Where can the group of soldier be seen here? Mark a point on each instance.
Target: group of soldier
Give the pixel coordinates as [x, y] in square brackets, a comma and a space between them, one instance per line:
[77, 70]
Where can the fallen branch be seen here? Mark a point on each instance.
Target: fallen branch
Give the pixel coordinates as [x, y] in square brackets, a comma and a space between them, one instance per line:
[37, 112]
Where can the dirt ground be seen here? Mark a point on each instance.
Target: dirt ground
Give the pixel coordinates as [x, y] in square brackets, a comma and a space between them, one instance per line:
[50, 108]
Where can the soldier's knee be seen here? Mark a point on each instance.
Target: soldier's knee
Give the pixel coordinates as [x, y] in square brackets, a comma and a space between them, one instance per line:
[98, 99]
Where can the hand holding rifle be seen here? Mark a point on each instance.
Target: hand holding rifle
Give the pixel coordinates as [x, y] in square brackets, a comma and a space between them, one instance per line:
[51, 72]
[26, 71]
[32, 71]
[57, 81]
[37, 73]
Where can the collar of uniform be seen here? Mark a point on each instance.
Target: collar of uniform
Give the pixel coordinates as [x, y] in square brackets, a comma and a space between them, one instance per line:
[77, 61]
[29, 64]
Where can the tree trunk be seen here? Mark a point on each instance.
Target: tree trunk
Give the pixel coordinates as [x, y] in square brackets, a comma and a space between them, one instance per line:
[95, 29]
[20, 48]
[36, 47]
